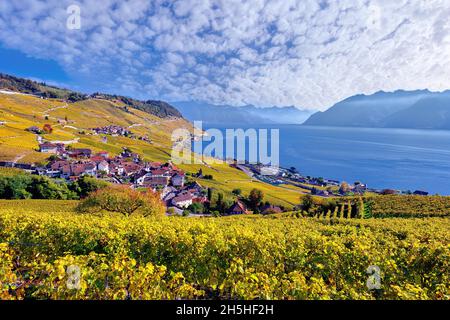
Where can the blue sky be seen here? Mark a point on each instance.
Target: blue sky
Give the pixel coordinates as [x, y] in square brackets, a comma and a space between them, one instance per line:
[307, 53]
[16, 62]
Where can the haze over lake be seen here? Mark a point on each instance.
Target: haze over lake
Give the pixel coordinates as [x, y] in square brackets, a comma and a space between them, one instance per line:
[383, 158]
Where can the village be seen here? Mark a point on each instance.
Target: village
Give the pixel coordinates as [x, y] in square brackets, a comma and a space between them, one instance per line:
[320, 187]
[127, 168]
[180, 195]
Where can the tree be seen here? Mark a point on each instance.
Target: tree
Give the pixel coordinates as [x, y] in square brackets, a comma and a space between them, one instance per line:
[25, 186]
[255, 198]
[307, 203]
[47, 128]
[123, 200]
[361, 208]
[220, 203]
[344, 188]
[196, 208]
[237, 192]
[86, 185]
[210, 194]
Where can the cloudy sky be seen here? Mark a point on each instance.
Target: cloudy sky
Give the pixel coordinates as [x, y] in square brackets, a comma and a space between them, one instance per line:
[307, 53]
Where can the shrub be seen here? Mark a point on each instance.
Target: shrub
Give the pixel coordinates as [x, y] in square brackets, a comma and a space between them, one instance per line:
[47, 128]
[86, 185]
[123, 200]
[197, 208]
[237, 192]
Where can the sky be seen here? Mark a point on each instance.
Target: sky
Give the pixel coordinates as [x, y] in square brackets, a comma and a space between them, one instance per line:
[306, 53]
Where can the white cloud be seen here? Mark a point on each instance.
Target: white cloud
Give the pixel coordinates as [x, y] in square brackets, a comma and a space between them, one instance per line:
[293, 52]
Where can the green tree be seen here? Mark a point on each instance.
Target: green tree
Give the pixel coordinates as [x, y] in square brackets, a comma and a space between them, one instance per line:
[237, 192]
[307, 203]
[210, 192]
[220, 203]
[196, 208]
[86, 185]
[255, 198]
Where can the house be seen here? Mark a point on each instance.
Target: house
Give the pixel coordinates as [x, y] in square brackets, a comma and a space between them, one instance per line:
[77, 169]
[268, 170]
[61, 149]
[48, 148]
[58, 165]
[103, 154]
[116, 168]
[131, 168]
[34, 129]
[195, 187]
[178, 180]
[80, 153]
[103, 166]
[238, 208]
[155, 182]
[160, 172]
[270, 209]
[90, 169]
[52, 173]
[200, 199]
[140, 177]
[183, 200]
[167, 190]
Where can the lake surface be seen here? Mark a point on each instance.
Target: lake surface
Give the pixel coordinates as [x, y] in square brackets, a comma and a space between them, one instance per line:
[383, 158]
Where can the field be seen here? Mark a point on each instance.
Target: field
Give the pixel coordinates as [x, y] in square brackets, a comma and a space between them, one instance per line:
[49, 251]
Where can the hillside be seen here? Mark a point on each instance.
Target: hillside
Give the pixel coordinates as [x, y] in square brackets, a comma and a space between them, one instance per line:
[71, 123]
[401, 109]
[11, 83]
[199, 111]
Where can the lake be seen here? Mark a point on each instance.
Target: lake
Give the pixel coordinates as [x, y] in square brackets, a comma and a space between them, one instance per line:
[382, 158]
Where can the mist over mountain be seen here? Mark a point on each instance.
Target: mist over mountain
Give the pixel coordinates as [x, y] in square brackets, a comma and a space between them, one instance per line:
[241, 115]
[419, 109]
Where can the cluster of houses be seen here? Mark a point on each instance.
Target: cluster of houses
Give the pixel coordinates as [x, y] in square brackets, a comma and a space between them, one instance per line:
[71, 163]
[60, 150]
[181, 197]
[126, 168]
[112, 130]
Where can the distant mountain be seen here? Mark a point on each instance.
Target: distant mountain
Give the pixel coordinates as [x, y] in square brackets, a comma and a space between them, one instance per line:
[241, 115]
[154, 107]
[420, 109]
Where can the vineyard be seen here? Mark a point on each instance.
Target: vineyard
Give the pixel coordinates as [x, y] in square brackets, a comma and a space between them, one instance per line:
[49, 253]
[392, 206]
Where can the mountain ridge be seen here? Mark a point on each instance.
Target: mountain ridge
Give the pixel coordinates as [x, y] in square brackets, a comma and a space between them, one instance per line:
[398, 109]
[249, 114]
[155, 107]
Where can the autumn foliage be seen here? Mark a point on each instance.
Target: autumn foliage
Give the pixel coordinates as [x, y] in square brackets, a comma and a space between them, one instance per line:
[47, 128]
[124, 200]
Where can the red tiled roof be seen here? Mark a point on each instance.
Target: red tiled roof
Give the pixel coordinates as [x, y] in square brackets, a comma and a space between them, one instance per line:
[183, 197]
